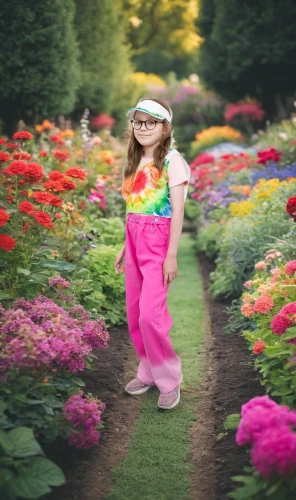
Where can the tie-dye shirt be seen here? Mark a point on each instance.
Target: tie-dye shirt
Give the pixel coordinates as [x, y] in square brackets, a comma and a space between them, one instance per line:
[152, 197]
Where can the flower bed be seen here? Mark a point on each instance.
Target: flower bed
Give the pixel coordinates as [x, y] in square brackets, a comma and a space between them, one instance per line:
[247, 225]
[61, 227]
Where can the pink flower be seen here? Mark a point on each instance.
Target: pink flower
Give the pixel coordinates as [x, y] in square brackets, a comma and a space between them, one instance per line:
[280, 323]
[261, 265]
[247, 310]
[263, 304]
[248, 284]
[290, 268]
[289, 308]
[84, 413]
[275, 451]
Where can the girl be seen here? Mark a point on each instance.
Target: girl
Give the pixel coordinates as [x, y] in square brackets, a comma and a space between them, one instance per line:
[155, 184]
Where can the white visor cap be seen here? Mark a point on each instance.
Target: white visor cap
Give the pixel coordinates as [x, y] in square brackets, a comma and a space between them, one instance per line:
[151, 108]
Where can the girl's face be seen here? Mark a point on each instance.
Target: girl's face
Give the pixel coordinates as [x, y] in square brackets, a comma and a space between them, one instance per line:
[146, 137]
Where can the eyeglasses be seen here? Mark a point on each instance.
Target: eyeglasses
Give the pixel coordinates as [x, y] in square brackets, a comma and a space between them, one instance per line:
[149, 124]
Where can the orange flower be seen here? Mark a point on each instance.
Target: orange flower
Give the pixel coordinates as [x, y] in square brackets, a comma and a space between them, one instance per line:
[247, 310]
[258, 347]
[263, 304]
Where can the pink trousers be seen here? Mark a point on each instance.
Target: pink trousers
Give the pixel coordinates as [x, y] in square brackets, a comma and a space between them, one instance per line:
[149, 321]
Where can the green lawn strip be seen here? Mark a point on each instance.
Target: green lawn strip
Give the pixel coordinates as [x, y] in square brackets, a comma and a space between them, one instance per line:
[156, 467]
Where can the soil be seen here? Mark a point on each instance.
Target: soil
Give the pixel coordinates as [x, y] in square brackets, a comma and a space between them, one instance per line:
[88, 472]
[232, 381]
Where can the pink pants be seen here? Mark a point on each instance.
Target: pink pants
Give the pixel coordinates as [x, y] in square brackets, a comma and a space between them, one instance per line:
[149, 321]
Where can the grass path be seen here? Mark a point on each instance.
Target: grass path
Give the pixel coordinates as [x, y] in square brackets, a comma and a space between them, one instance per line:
[157, 464]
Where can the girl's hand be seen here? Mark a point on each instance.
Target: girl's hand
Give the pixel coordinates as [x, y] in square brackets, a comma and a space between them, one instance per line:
[170, 270]
[118, 264]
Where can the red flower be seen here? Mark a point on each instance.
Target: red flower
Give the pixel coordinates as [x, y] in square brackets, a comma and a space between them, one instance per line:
[55, 186]
[244, 110]
[258, 347]
[57, 139]
[4, 156]
[10, 198]
[24, 193]
[19, 167]
[55, 175]
[21, 156]
[6, 242]
[11, 145]
[67, 185]
[42, 218]
[58, 215]
[290, 207]
[2, 140]
[26, 207]
[47, 198]
[268, 155]
[4, 217]
[34, 172]
[76, 173]
[24, 134]
[43, 154]
[60, 155]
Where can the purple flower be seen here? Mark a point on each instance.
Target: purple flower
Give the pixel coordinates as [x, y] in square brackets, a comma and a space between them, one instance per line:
[58, 282]
[84, 414]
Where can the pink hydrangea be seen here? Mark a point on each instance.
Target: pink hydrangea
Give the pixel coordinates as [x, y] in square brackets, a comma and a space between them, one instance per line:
[263, 304]
[41, 333]
[84, 414]
[280, 323]
[275, 452]
[290, 268]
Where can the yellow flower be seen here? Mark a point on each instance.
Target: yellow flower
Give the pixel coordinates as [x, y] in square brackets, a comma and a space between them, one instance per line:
[242, 208]
[225, 132]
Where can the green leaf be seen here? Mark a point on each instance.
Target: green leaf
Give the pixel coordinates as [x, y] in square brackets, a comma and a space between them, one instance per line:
[4, 295]
[21, 270]
[35, 478]
[20, 442]
[52, 401]
[78, 381]
[232, 421]
[59, 265]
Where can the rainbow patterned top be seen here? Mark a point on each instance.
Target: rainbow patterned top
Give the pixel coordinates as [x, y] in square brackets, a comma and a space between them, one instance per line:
[150, 196]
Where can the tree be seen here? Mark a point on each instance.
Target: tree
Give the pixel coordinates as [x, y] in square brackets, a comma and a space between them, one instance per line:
[249, 49]
[104, 57]
[162, 34]
[39, 69]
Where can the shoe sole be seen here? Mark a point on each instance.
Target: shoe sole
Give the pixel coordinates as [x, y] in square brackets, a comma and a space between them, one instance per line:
[140, 391]
[173, 405]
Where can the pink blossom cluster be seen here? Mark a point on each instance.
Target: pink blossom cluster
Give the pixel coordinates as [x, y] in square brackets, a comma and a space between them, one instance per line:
[245, 110]
[270, 430]
[41, 333]
[84, 413]
[284, 319]
[263, 304]
[58, 282]
[290, 268]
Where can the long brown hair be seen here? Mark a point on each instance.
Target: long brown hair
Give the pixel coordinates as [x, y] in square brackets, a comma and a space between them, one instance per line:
[135, 151]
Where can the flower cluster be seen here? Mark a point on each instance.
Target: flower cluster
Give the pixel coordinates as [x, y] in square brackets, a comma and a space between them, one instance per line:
[245, 111]
[284, 319]
[270, 430]
[225, 132]
[40, 332]
[267, 155]
[84, 414]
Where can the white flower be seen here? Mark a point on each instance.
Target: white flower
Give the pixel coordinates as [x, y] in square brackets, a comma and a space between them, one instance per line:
[283, 136]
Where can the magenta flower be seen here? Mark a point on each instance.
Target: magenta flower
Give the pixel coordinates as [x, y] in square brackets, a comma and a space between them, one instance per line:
[275, 452]
[58, 282]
